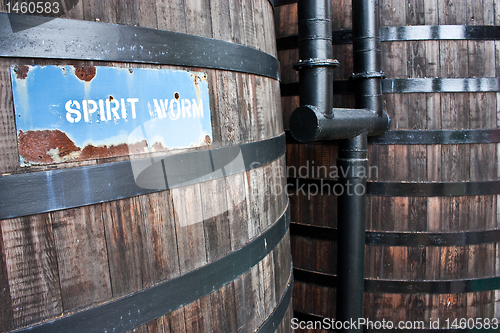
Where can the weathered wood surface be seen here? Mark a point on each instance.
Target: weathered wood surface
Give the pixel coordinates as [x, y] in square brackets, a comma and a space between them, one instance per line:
[59, 262]
[411, 163]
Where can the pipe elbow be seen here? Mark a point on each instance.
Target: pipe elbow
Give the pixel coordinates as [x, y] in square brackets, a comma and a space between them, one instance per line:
[308, 123]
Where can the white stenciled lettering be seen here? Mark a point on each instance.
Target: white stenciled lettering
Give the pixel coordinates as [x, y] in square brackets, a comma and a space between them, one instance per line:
[101, 111]
[86, 111]
[114, 109]
[197, 109]
[177, 108]
[173, 114]
[132, 102]
[161, 108]
[124, 110]
[186, 108]
[109, 108]
[70, 112]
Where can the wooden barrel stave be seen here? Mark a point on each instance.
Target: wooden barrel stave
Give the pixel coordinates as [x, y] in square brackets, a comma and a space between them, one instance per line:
[468, 162]
[149, 242]
[142, 235]
[445, 163]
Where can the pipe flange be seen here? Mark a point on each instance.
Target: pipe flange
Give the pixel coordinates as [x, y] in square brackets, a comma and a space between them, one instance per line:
[315, 62]
[368, 75]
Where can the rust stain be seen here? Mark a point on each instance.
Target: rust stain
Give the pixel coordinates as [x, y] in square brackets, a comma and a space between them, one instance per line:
[158, 146]
[90, 151]
[85, 73]
[196, 81]
[43, 146]
[22, 71]
[176, 96]
[197, 78]
[208, 140]
[53, 146]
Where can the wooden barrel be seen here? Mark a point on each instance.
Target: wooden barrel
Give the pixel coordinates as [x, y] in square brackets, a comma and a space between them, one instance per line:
[94, 239]
[432, 216]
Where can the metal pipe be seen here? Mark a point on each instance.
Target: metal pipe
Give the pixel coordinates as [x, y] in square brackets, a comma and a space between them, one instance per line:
[353, 163]
[353, 156]
[316, 119]
[367, 55]
[308, 123]
[315, 54]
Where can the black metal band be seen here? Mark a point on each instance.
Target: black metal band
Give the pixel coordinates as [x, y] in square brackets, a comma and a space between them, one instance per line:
[429, 137]
[440, 32]
[136, 309]
[398, 189]
[304, 316]
[112, 42]
[407, 239]
[438, 85]
[309, 317]
[432, 287]
[313, 231]
[415, 85]
[282, 2]
[409, 33]
[313, 277]
[423, 85]
[272, 322]
[436, 137]
[404, 287]
[55, 190]
[427, 32]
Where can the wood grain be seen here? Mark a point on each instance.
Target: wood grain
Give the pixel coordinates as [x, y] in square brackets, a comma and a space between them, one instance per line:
[411, 163]
[6, 313]
[8, 134]
[82, 257]
[70, 259]
[31, 260]
[189, 227]
[123, 240]
[160, 261]
[215, 219]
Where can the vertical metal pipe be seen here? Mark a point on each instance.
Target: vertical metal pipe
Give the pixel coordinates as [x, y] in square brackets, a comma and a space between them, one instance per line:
[367, 54]
[315, 54]
[353, 161]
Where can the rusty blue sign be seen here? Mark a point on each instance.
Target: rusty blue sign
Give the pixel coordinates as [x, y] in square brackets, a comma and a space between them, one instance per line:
[65, 113]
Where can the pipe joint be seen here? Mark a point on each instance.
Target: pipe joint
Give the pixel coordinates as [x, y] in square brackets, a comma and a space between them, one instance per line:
[351, 168]
[315, 62]
[315, 28]
[308, 123]
[368, 75]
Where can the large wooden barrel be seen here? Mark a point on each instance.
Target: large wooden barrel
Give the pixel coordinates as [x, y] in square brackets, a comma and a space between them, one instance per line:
[432, 216]
[94, 238]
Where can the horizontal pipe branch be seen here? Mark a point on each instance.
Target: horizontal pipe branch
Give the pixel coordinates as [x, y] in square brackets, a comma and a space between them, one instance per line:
[308, 123]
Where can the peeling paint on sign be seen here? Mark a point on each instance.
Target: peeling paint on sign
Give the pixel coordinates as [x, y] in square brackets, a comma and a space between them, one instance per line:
[65, 113]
